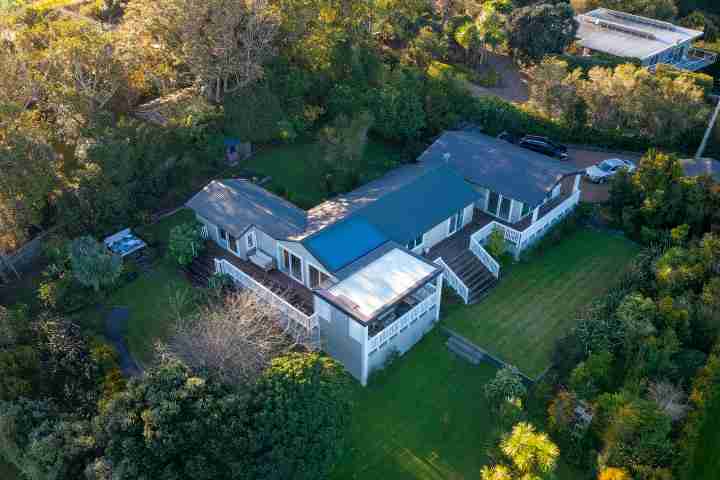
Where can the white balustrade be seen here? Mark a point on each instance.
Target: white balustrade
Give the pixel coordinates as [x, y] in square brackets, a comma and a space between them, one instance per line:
[308, 322]
[553, 215]
[398, 325]
[485, 258]
[454, 281]
[204, 232]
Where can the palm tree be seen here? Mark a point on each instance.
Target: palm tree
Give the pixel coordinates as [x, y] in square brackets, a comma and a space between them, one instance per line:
[532, 453]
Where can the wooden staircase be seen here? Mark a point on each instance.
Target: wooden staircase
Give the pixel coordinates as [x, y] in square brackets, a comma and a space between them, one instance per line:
[473, 274]
[455, 252]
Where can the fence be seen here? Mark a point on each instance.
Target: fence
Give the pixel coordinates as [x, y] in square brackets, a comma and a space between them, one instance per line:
[306, 321]
[404, 321]
[454, 281]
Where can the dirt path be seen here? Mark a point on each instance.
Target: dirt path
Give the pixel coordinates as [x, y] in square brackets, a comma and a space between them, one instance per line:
[115, 326]
[513, 84]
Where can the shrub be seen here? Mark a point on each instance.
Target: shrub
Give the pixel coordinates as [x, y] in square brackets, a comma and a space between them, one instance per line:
[92, 265]
[186, 242]
[496, 245]
[507, 384]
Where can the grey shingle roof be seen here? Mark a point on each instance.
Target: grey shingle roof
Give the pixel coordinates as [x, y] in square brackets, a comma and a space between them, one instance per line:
[505, 168]
[238, 204]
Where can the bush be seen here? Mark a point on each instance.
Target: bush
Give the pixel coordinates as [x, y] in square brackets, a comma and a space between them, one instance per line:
[302, 400]
[92, 265]
[186, 243]
[496, 245]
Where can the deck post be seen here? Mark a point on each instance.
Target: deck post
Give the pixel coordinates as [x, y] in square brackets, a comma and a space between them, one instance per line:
[364, 354]
[576, 184]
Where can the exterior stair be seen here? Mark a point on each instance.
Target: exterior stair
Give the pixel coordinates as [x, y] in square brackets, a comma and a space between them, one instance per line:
[473, 274]
[465, 350]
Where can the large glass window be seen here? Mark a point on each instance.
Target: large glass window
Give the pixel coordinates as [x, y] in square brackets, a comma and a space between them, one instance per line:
[505, 209]
[456, 222]
[525, 210]
[316, 277]
[493, 202]
[292, 264]
[416, 242]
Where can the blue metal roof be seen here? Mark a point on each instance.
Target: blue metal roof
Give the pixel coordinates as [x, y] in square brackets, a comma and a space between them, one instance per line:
[419, 206]
[399, 216]
[344, 242]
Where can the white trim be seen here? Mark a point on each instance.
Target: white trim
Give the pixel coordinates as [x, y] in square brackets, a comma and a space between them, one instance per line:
[309, 264]
[248, 236]
[289, 270]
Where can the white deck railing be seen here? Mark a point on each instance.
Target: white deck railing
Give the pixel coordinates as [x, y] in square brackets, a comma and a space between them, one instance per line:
[552, 216]
[401, 323]
[485, 258]
[204, 232]
[521, 238]
[454, 281]
[306, 321]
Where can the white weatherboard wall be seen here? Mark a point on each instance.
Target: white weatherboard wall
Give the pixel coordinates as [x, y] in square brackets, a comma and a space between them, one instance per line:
[440, 231]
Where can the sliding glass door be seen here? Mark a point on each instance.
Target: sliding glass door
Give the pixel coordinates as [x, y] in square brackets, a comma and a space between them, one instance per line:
[493, 202]
[292, 265]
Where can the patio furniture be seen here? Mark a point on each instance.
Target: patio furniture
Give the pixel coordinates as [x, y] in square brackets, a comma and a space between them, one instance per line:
[262, 260]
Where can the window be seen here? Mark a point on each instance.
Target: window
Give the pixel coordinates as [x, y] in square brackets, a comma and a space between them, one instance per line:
[223, 234]
[317, 278]
[505, 209]
[250, 240]
[233, 243]
[416, 242]
[525, 210]
[456, 222]
[292, 264]
[493, 202]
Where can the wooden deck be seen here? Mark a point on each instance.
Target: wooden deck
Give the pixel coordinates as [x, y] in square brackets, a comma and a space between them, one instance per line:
[455, 245]
[293, 292]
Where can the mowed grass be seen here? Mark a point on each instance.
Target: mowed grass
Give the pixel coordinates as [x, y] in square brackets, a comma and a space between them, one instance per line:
[536, 301]
[292, 168]
[424, 418]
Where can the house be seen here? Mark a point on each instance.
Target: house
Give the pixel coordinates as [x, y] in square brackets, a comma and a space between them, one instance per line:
[364, 271]
[649, 41]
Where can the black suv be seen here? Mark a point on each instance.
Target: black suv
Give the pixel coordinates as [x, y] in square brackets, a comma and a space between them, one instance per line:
[544, 145]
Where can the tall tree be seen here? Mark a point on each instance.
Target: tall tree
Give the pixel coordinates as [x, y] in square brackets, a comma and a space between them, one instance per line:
[540, 30]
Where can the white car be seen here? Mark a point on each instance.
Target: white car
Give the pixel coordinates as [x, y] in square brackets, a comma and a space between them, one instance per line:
[604, 170]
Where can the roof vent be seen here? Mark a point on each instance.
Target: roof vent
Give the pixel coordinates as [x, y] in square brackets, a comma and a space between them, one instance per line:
[446, 157]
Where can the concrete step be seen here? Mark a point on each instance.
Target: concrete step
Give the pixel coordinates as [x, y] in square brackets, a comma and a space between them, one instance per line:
[464, 347]
[454, 347]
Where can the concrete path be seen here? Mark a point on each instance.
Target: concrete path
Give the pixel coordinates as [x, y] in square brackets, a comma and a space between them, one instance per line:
[115, 326]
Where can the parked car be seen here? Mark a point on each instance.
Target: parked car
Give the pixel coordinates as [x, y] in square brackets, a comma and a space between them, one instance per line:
[544, 145]
[604, 170]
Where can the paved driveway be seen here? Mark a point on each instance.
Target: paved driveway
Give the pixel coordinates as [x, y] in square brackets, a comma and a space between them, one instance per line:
[582, 159]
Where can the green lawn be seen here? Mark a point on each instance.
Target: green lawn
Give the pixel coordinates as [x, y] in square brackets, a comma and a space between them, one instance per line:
[147, 297]
[535, 302]
[291, 167]
[425, 418]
